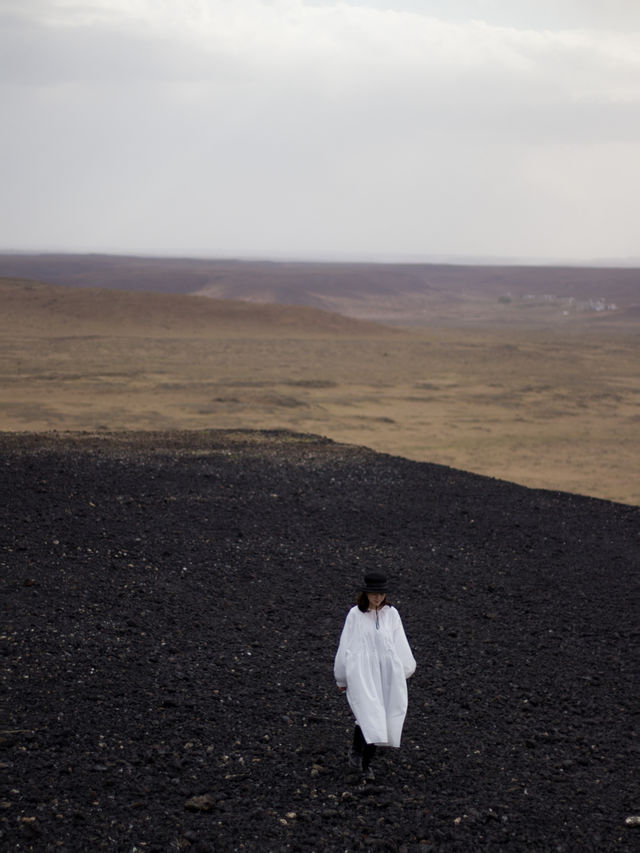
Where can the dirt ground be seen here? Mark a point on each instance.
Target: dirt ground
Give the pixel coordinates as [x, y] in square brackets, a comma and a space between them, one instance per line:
[552, 407]
[539, 409]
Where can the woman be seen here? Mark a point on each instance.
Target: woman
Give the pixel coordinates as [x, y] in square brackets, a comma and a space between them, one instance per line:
[372, 664]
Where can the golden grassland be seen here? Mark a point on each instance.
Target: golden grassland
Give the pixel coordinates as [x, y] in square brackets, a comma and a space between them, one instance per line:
[554, 408]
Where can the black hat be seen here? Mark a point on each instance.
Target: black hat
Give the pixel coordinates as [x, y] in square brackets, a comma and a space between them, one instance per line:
[375, 582]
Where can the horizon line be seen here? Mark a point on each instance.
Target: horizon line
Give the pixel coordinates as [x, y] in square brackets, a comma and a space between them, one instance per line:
[399, 258]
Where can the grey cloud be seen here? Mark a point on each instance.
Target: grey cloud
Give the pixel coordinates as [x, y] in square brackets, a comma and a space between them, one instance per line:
[32, 54]
[620, 15]
[434, 138]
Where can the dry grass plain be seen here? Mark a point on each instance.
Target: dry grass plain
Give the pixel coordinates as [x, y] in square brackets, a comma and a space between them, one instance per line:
[554, 407]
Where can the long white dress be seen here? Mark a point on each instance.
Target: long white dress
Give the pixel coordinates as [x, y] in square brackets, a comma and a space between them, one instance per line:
[373, 662]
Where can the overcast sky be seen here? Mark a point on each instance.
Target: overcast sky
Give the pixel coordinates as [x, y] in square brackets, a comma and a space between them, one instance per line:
[322, 128]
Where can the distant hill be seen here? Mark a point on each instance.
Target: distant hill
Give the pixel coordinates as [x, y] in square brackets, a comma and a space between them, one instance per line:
[414, 294]
[34, 308]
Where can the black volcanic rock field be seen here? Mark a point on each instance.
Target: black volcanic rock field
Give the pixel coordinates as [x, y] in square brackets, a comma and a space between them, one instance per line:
[173, 604]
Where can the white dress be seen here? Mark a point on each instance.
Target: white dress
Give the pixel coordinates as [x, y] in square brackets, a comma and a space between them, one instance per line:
[374, 662]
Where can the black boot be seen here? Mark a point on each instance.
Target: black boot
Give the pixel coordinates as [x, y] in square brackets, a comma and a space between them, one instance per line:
[355, 760]
[357, 747]
[367, 755]
[361, 754]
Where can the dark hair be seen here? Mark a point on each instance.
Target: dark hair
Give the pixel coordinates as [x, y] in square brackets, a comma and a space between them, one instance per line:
[363, 601]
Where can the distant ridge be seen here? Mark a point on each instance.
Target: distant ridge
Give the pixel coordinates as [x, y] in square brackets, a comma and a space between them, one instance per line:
[34, 308]
[405, 293]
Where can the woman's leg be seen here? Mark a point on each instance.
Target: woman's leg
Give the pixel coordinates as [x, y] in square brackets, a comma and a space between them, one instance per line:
[362, 751]
[367, 755]
[359, 743]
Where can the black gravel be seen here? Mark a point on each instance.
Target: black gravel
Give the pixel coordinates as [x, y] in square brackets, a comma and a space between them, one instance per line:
[173, 604]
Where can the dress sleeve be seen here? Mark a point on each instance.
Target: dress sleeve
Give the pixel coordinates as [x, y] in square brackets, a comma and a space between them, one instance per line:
[403, 650]
[339, 665]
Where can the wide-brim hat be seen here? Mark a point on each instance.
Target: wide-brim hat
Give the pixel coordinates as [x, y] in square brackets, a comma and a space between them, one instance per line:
[375, 582]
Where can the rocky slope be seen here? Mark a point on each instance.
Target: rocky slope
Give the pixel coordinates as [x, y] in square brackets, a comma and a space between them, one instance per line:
[173, 606]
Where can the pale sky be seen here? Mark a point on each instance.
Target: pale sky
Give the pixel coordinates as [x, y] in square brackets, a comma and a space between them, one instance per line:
[322, 128]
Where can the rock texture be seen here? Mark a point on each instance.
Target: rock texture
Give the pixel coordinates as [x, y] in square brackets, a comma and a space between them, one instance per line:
[173, 603]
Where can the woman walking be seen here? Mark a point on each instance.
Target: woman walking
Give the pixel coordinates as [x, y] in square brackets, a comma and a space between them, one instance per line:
[372, 664]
